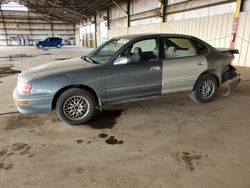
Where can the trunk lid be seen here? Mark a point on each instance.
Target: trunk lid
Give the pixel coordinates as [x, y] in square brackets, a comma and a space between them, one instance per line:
[230, 50]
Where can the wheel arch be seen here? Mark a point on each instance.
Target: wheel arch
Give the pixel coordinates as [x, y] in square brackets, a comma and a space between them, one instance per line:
[213, 73]
[80, 86]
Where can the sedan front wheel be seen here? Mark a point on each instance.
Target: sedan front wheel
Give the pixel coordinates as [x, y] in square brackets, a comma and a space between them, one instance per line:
[75, 106]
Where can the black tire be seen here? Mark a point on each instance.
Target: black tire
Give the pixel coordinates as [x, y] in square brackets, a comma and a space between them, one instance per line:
[202, 93]
[59, 46]
[66, 106]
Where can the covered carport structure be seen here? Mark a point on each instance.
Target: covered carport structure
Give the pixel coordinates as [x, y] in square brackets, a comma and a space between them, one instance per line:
[164, 142]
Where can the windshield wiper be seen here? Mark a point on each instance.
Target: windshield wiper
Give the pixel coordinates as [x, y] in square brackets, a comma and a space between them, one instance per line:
[88, 59]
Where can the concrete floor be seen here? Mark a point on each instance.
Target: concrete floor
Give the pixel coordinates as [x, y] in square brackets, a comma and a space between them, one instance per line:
[167, 142]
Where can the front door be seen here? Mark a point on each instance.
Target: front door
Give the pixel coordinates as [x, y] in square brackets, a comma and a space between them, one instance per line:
[182, 65]
[140, 75]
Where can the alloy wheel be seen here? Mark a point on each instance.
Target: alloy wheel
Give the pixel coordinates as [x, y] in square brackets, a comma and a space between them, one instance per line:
[206, 89]
[76, 107]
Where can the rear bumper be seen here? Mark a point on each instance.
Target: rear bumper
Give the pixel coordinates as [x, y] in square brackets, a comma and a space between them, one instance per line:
[232, 84]
[232, 79]
[37, 104]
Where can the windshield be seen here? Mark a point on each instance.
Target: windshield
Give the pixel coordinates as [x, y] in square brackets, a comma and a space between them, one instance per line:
[102, 54]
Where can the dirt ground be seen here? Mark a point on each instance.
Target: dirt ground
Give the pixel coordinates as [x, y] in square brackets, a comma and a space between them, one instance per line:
[166, 142]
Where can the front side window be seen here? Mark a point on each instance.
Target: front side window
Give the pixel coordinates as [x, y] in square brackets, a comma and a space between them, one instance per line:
[178, 48]
[142, 51]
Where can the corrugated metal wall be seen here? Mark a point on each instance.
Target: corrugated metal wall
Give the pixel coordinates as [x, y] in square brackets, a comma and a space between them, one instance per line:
[243, 40]
[216, 30]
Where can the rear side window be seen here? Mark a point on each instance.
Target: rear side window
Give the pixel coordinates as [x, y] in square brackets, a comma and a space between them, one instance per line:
[178, 48]
[202, 49]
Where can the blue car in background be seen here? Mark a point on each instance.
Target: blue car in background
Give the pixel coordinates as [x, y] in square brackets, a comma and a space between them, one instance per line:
[50, 42]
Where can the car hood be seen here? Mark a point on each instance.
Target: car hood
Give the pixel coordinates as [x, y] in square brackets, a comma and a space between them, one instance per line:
[55, 68]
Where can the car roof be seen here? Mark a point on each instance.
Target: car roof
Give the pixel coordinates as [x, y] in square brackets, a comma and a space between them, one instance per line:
[53, 38]
[131, 37]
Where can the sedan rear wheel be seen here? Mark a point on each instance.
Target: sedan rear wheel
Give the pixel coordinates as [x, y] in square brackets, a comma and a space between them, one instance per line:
[206, 88]
[75, 106]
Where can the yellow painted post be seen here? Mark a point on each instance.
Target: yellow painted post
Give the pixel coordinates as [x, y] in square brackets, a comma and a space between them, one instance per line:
[95, 40]
[236, 22]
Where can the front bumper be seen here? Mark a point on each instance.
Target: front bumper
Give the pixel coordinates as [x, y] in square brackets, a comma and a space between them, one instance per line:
[35, 104]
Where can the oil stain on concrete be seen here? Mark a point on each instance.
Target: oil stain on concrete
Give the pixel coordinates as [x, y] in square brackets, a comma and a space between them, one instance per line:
[20, 148]
[190, 159]
[21, 121]
[7, 71]
[111, 139]
[3, 152]
[6, 166]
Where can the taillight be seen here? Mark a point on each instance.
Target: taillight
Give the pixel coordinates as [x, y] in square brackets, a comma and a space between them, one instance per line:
[27, 89]
[24, 88]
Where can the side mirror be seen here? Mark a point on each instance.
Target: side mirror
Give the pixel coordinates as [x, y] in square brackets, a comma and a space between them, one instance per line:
[121, 61]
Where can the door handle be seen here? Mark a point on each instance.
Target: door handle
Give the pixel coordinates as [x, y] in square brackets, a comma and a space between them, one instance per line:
[155, 68]
[200, 63]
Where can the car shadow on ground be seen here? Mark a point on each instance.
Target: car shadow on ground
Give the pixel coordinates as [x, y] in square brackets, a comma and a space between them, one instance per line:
[105, 119]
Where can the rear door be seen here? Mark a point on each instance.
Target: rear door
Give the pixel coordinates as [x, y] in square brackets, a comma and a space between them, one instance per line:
[182, 65]
[140, 76]
[53, 42]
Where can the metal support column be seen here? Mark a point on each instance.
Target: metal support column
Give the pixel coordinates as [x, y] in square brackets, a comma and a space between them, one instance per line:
[74, 26]
[126, 12]
[165, 4]
[28, 15]
[108, 20]
[95, 41]
[4, 27]
[162, 13]
[52, 27]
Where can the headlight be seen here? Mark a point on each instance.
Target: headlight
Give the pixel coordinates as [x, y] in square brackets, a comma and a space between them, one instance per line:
[23, 88]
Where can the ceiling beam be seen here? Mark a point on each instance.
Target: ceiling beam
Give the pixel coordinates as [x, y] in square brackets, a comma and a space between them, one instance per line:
[53, 6]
